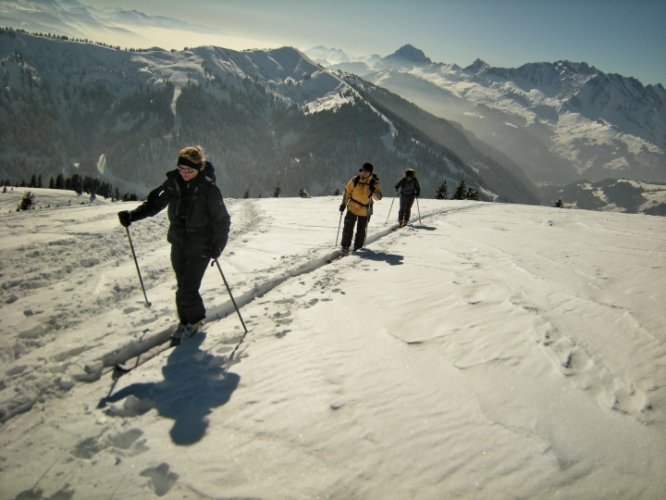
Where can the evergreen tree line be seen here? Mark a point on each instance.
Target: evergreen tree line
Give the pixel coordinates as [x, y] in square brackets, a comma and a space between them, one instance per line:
[462, 192]
[11, 31]
[79, 185]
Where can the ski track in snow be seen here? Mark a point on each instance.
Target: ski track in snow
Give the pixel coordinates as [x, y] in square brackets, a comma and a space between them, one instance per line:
[97, 282]
[101, 280]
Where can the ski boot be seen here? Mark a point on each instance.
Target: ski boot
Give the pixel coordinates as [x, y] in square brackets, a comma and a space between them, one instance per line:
[185, 331]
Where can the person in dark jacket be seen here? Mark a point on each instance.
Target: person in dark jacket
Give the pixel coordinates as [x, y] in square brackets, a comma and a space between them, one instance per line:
[198, 229]
[408, 187]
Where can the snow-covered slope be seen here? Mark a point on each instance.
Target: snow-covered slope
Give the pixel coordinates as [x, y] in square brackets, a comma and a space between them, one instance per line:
[620, 195]
[485, 351]
[560, 121]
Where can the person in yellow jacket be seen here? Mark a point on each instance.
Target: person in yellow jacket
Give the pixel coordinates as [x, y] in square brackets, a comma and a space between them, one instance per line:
[360, 192]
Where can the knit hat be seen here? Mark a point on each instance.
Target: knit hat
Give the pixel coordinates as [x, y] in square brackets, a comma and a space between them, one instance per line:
[367, 167]
[191, 156]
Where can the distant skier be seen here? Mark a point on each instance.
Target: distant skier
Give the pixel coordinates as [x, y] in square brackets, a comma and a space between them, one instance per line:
[198, 229]
[409, 188]
[358, 198]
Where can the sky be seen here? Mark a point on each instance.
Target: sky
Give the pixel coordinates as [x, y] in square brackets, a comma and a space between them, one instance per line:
[484, 351]
[616, 36]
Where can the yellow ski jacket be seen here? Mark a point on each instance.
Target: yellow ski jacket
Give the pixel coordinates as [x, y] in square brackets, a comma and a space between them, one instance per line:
[359, 194]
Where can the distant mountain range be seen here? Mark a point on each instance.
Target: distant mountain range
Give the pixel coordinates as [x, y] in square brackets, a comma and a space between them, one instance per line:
[538, 133]
[267, 119]
[561, 122]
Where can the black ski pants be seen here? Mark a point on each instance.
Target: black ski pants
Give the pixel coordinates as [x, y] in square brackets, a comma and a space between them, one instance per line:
[405, 211]
[189, 268]
[361, 224]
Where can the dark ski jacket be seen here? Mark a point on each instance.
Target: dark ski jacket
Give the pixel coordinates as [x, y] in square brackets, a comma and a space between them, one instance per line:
[408, 187]
[198, 218]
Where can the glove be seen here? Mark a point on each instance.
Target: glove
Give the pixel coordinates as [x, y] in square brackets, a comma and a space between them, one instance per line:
[342, 207]
[215, 252]
[125, 218]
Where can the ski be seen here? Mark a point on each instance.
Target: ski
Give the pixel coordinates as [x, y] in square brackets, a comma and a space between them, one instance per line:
[133, 362]
[120, 369]
[133, 356]
[339, 255]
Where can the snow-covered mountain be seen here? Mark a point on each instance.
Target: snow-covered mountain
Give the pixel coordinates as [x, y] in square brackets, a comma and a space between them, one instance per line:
[618, 195]
[546, 124]
[266, 118]
[560, 121]
[487, 163]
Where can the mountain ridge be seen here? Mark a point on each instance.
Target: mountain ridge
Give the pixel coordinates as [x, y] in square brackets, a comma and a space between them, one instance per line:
[567, 120]
[266, 118]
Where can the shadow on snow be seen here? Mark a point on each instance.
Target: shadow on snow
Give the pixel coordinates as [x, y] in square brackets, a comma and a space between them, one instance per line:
[195, 382]
[390, 258]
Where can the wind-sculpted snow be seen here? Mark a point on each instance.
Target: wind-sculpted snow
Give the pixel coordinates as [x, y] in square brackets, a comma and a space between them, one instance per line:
[485, 350]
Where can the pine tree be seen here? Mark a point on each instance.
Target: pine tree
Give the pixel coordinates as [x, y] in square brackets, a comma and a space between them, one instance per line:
[27, 202]
[472, 194]
[443, 191]
[277, 191]
[461, 191]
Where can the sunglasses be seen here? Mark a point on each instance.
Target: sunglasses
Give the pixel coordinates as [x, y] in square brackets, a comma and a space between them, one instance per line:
[186, 170]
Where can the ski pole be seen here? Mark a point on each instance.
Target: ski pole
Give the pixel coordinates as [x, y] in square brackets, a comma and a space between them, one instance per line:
[419, 210]
[338, 234]
[390, 208]
[136, 263]
[232, 298]
[340, 222]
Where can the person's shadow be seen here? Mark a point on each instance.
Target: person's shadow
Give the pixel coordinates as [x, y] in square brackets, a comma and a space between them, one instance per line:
[194, 383]
[390, 258]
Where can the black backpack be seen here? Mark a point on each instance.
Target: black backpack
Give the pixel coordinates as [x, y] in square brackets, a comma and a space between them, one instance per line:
[372, 183]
